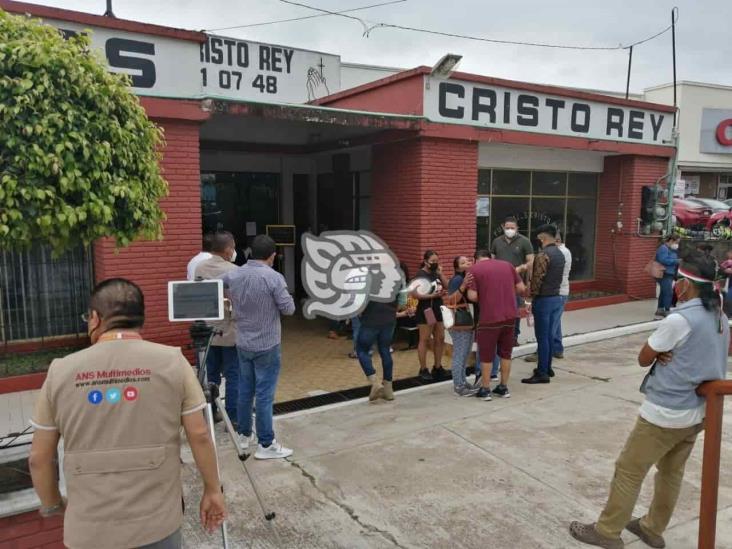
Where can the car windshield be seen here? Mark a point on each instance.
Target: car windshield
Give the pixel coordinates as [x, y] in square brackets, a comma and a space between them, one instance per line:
[716, 205]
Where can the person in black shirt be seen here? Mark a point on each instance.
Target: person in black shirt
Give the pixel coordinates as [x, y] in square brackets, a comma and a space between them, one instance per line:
[429, 317]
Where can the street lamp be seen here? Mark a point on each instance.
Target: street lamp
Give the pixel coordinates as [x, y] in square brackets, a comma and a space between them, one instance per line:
[446, 65]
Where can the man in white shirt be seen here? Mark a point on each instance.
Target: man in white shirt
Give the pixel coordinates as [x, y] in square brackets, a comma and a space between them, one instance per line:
[689, 347]
[200, 256]
[564, 293]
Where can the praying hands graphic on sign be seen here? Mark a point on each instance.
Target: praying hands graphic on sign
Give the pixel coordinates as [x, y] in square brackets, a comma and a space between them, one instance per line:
[316, 84]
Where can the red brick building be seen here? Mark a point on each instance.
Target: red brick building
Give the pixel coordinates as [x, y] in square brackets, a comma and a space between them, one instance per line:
[423, 161]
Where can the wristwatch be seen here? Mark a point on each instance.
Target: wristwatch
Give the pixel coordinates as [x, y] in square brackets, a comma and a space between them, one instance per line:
[46, 512]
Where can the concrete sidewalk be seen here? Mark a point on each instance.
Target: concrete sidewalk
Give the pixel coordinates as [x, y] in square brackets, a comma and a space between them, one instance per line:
[438, 471]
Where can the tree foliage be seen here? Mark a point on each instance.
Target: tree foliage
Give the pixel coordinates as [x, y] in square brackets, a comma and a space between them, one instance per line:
[78, 156]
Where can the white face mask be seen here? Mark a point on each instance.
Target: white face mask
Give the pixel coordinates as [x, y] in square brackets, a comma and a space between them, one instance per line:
[674, 246]
[233, 257]
[510, 233]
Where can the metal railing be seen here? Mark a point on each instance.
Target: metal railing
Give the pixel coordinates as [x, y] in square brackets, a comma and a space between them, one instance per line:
[41, 295]
[714, 391]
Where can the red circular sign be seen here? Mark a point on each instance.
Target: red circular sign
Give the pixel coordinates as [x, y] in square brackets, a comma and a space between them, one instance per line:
[130, 393]
[722, 138]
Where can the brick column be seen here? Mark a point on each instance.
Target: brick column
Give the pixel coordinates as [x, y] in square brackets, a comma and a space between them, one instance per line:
[423, 197]
[621, 255]
[153, 264]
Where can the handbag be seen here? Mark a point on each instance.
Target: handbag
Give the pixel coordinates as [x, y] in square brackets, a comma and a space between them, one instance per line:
[448, 318]
[654, 268]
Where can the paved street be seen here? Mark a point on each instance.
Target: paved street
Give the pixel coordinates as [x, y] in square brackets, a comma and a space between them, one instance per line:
[435, 470]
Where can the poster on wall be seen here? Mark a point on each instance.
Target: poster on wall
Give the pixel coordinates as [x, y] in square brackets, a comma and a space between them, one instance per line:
[482, 206]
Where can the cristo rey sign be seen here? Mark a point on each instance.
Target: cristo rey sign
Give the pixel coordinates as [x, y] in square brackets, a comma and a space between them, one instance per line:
[511, 109]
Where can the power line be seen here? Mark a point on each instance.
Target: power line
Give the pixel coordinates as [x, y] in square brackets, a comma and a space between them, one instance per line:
[368, 29]
[263, 23]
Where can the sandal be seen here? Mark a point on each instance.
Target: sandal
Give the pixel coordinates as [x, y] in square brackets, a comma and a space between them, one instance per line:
[586, 533]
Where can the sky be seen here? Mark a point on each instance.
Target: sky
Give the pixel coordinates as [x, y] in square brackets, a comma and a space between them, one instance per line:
[704, 42]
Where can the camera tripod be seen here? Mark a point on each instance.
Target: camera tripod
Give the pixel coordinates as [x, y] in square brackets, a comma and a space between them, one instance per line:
[201, 336]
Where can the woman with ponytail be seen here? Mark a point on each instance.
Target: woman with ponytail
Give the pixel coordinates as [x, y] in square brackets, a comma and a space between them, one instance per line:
[688, 348]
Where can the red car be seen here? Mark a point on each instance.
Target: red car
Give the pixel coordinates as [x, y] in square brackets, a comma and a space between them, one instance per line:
[691, 214]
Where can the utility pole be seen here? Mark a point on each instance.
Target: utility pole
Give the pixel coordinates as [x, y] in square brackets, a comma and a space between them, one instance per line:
[109, 12]
[674, 165]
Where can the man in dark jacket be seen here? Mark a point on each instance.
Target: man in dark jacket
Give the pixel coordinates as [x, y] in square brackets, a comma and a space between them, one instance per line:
[546, 303]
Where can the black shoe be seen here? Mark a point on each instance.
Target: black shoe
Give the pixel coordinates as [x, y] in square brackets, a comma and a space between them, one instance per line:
[502, 391]
[484, 393]
[559, 355]
[536, 379]
[536, 372]
[440, 374]
[425, 375]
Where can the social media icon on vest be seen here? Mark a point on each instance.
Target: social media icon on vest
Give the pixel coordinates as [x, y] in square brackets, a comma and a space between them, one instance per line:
[113, 395]
[130, 394]
[95, 397]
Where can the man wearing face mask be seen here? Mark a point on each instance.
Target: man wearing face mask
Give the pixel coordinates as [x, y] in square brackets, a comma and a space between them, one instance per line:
[516, 249]
[222, 358]
[668, 256]
[119, 406]
[547, 303]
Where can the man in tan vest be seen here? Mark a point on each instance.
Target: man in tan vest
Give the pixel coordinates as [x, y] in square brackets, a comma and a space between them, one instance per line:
[119, 406]
[222, 358]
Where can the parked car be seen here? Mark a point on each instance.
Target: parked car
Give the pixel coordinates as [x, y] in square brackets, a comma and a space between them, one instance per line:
[728, 202]
[715, 205]
[691, 214]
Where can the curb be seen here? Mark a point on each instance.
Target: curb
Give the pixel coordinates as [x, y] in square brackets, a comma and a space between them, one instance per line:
[521, 350]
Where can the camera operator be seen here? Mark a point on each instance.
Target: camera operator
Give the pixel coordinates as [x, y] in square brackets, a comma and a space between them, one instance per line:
[222, 357]
[119, 406]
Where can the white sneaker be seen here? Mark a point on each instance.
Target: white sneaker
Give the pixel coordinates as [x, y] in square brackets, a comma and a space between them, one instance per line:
[244, 441]
[273, 451]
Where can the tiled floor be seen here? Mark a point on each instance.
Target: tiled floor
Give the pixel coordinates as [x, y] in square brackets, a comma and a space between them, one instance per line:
[313, 364]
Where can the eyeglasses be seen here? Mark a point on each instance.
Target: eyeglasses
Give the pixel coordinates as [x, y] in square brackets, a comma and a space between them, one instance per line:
[85, 317]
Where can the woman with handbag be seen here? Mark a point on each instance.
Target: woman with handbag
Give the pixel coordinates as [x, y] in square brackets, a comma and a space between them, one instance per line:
[667, 256]
[462, 329]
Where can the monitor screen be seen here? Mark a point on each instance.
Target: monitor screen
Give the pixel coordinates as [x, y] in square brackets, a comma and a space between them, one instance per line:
[200, 300]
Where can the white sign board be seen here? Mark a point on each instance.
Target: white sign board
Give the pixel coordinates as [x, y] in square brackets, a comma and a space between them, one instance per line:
[484, 105]
[263, 72]
[220, 67]
[716, 131]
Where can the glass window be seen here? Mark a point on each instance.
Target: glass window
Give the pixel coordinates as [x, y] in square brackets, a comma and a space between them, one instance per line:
[567, 200]
[580, 236]
[546, 211]
[511, 182]
[484, 181]
[582, 184]
[549, 183]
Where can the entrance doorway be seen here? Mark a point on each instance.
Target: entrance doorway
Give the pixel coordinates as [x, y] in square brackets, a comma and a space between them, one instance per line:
[243, 203]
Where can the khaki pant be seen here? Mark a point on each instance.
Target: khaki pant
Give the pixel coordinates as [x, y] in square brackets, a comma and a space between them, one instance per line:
[648, 444]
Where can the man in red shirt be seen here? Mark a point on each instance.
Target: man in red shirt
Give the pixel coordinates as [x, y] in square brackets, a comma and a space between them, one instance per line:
[494, 284]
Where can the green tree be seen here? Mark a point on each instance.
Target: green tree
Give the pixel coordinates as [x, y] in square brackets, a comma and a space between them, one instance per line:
[78, 156]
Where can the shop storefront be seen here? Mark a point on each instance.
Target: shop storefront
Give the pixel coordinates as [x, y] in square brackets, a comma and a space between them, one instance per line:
[705, 137]
[424, 162]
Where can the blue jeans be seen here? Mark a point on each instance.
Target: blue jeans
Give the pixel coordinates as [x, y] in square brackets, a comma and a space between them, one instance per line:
[462, 343]
[547, 313]
[258, 378]
[224, 360]
[558, 345]
[382, 336]
[356, 327]
[667, 292]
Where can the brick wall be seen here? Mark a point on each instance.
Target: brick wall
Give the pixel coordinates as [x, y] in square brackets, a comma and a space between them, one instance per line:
[153, 264]
[621, 255]
[29, 530]
[423, 197]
